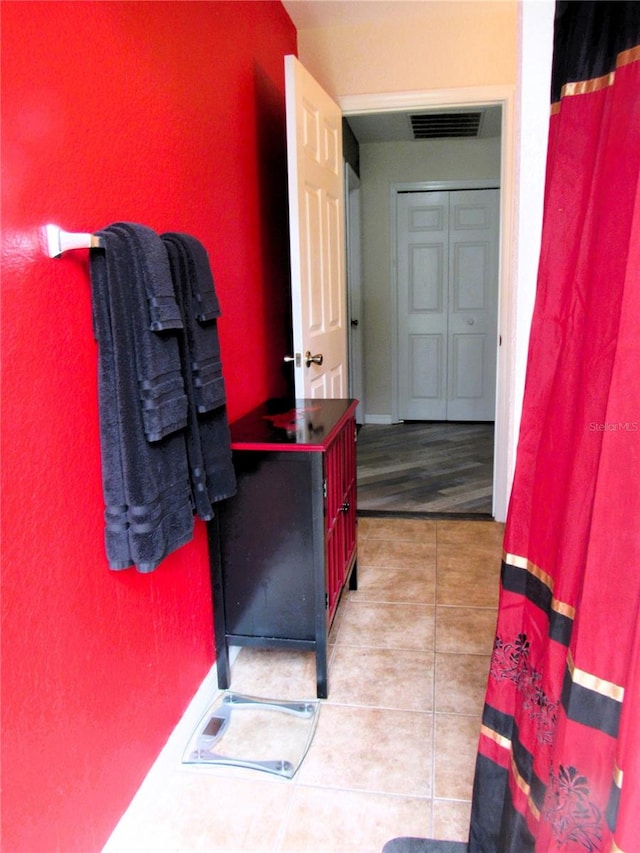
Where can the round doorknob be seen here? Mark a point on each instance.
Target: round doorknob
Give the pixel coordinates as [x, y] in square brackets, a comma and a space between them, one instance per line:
[312, 359]
[471, 321]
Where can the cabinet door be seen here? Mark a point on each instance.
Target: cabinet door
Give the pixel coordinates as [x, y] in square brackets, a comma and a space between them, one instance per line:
[340, 512]
[272, 550]
[349, 502]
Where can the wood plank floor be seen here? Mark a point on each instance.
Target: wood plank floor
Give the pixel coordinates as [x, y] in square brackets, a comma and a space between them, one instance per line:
[432, 468]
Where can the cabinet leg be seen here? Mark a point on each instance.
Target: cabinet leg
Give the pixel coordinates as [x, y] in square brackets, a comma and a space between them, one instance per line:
[219, 622]
[322, 685]
[353, 577]
[222, 666]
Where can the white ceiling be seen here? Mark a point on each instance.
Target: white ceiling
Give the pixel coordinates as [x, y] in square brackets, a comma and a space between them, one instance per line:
[381, 127]
[314, 14]
[396, 127]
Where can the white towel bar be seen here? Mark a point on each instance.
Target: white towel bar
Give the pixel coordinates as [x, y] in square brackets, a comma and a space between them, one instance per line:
[59, 241]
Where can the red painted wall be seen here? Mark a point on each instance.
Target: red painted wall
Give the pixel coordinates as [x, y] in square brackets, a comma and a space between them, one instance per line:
[170, 114]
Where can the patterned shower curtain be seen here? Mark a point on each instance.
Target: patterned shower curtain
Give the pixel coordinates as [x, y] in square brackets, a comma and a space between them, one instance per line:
[558, 765]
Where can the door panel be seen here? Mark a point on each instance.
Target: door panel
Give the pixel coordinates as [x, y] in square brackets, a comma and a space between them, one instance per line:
[426, 367]
[447, 255]
[425, 278]
[423, 271]
[316, 211]
[473, 312]
[311, 280]
[336, 289]
[467, 375]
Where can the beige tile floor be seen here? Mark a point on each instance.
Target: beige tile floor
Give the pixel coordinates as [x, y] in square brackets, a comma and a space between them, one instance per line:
[394, 749]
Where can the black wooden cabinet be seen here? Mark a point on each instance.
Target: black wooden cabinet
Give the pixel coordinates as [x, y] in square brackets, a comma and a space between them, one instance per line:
[283, 548]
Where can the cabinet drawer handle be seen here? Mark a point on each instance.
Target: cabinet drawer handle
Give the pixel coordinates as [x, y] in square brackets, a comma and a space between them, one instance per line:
[345, 507]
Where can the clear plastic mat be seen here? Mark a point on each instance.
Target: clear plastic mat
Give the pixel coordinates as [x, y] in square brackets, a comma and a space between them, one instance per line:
[254, 733]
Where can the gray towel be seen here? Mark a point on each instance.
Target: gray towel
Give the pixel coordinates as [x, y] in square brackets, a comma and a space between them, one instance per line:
[146, 485]
[208, 438]
[161, 385]
[200, 312]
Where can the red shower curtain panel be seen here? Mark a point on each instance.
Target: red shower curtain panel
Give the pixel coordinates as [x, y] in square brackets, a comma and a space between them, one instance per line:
[558, 766]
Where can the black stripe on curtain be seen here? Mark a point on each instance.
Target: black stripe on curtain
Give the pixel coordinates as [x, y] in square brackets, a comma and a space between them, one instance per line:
[588, 36]
[504, 725]
[489, 812]
[590, 707]
[522, 582]
[497, 721]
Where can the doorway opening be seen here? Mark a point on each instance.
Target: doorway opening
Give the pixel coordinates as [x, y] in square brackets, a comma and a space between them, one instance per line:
[490, 495]
[429, 468]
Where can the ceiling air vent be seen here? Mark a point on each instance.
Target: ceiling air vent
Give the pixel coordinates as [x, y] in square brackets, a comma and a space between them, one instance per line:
[445, 125]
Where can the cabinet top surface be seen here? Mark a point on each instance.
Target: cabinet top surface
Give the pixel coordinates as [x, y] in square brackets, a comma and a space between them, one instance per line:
[308, 424]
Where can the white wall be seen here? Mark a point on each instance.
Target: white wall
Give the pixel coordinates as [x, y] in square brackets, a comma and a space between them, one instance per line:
[395, 46]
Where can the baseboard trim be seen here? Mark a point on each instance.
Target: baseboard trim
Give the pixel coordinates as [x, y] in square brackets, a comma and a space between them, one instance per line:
[382, 420]
[425, 514]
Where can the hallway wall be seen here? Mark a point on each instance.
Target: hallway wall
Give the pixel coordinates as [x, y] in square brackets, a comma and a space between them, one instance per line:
[170, 114]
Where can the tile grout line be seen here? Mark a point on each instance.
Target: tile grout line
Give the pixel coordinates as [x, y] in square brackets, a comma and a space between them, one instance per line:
[435, 679]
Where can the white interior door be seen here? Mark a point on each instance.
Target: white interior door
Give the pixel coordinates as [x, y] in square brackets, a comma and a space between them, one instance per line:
[316, 216]
[447, 251]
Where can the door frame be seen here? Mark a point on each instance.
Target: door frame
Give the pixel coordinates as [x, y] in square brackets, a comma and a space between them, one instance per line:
[394, 191]
[504, 96]
[353, 212]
